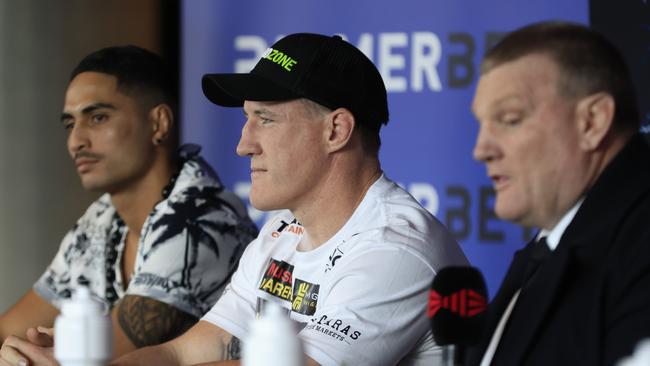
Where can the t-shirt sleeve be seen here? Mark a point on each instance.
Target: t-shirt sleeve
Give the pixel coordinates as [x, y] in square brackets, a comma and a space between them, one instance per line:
[238, 304]
[189, 251]
[374, 313]
[55, 283]
[78, 247]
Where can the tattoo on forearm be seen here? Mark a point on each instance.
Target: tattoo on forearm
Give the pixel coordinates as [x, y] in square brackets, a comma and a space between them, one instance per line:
[147, 322]
[233, 349]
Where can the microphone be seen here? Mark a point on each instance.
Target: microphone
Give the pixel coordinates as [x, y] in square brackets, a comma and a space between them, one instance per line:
[457, 303]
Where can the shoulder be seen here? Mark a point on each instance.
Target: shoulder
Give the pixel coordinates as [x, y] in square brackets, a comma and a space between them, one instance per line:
[201, 213]
[198, 190]
[388, 204]
[195, 177]
[196, 193]
[632, 235]
[612, 220]
[391, 219]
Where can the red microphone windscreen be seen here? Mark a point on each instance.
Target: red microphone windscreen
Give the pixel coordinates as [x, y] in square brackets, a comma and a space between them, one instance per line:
[457, 304]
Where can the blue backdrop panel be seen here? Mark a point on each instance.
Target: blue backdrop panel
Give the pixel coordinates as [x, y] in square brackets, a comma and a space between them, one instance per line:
[428, 53]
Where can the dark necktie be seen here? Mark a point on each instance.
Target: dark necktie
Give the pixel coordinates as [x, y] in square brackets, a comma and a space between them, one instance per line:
[538, 254]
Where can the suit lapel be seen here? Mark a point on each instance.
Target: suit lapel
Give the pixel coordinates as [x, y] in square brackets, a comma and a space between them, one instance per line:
[511, 283]
[531, 308]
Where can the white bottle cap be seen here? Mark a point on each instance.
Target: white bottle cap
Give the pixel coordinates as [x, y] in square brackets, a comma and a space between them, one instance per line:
[83, 334]
[81, 304]
[272, 339]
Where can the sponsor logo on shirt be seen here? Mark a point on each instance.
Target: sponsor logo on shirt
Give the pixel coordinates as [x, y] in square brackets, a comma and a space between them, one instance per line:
[334, 328]
[335, 256]
[277, 279]
[305, 297]
[293, 227]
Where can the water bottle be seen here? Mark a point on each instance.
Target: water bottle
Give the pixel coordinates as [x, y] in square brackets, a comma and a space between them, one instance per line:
[83, 334]
[272, 340]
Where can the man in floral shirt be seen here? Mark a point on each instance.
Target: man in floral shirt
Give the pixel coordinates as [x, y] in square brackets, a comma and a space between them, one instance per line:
[160, 244]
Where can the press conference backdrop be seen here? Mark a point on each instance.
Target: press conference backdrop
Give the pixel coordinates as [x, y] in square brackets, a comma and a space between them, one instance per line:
[428, 53]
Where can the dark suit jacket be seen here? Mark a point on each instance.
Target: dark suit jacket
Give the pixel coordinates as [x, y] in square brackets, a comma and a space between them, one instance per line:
[589, 304]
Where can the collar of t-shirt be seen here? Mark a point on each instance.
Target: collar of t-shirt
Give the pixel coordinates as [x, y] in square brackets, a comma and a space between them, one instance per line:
[554, 235]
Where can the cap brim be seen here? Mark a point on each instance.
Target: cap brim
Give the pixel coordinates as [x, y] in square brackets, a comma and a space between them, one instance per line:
[231, 90]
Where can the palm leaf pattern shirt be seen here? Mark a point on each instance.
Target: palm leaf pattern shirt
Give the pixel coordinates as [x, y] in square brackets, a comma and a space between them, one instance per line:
[189, 246]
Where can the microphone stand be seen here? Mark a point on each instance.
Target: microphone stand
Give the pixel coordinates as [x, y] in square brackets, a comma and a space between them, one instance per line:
[453, 355]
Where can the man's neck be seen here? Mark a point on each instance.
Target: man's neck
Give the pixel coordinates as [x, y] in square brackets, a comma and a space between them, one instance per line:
[334, 201]
[135, 202]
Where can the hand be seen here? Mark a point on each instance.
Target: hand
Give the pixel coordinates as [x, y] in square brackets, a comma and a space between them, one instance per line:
[37, 350]
[41, 336]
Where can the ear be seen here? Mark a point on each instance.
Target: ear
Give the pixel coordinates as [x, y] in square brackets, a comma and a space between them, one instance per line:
[340, 125]
[595, 116]
[162, 121]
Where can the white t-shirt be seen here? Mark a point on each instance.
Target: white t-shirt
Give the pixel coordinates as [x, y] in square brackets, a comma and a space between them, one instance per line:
[360, 298]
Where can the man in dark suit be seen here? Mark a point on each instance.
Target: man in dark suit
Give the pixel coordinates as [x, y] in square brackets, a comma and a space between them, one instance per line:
[559, 137]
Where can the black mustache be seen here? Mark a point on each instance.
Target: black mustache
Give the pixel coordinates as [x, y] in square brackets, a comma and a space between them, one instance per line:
[87, 154]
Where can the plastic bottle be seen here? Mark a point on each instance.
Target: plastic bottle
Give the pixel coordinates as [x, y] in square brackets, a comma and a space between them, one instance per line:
[272, 340]
[83, 335]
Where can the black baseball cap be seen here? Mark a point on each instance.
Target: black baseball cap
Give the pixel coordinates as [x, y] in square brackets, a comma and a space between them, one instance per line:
[326, 70]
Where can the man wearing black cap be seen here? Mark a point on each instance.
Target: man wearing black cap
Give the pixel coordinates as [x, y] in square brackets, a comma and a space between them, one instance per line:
[353, 257]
